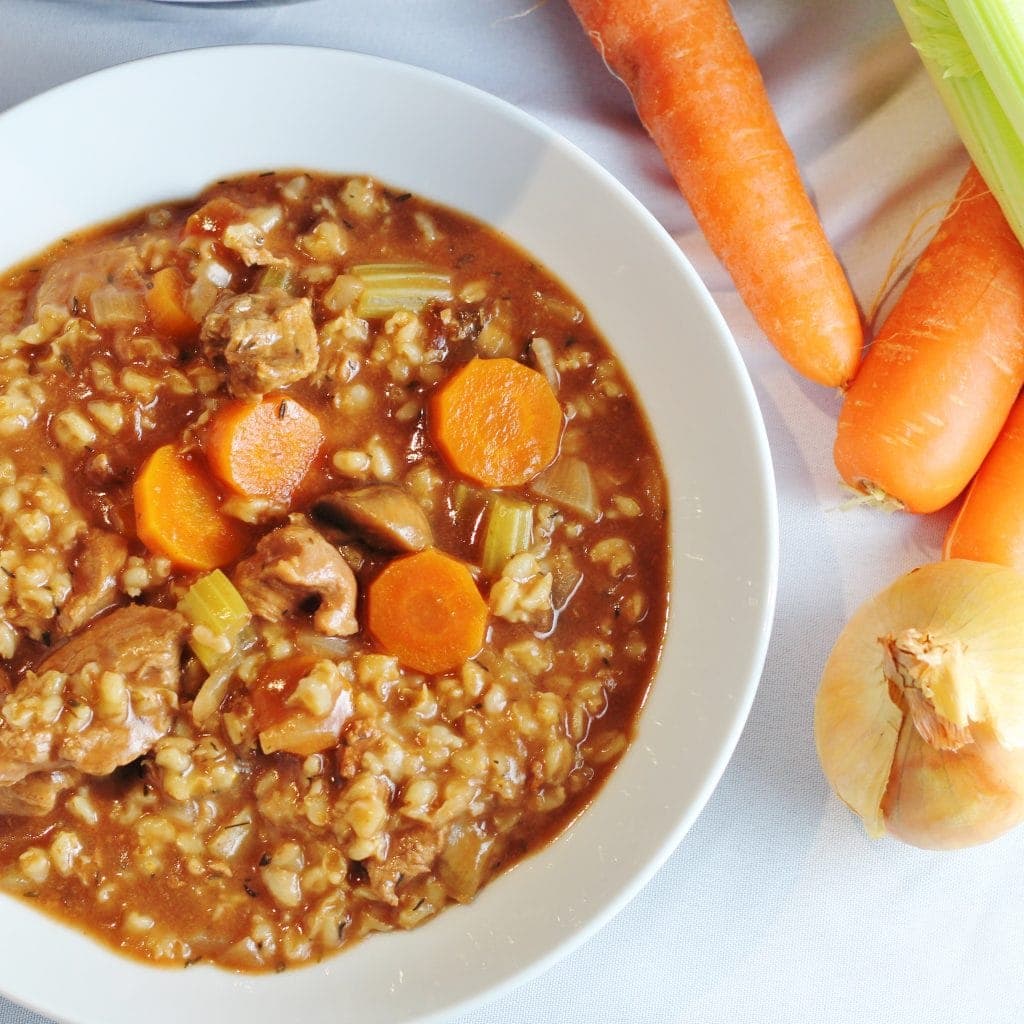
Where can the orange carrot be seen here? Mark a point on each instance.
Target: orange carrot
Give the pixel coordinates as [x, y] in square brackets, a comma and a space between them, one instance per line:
[178, 513]
[939, 381]
[700, 95]
[989, 526]
[496, 421]
[263, 449]
[426, 610]
[166, 302]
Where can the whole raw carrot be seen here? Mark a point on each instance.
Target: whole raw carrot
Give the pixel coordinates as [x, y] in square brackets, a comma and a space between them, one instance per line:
[700, 95]
[989, 526]
[940, 378]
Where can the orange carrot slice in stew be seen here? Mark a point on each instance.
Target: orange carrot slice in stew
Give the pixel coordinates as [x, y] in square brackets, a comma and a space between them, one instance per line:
[263, 449]
[945, 368]
[496, 421]
[699, 93]
[426, 610]
[178, 513]
[989, 527]
[166, 302]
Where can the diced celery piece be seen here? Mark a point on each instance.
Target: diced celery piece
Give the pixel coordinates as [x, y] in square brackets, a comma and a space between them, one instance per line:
[509, 531]
[974, 52]
[278, 276]
[390, 287]
[212, 601]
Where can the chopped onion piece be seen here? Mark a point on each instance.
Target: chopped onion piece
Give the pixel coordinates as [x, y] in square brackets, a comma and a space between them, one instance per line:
[542, 355]
[565, 578]
[211, 694]
[215, 272]
[336, 648]
[569, 482]
[265, 217]
[110, 306]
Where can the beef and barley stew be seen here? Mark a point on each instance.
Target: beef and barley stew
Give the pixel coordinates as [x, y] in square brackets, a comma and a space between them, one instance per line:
[333, 568]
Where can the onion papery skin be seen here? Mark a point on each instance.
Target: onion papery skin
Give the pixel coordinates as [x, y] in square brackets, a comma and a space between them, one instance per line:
[870, 749]
[946, 800]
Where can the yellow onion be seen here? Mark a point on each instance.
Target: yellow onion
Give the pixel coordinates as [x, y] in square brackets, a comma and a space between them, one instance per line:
[919, 718]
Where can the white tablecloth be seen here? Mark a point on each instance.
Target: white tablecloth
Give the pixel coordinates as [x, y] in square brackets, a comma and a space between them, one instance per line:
[775, 907]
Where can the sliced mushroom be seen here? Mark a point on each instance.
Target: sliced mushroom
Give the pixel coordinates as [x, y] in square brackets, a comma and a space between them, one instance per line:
[383, 516]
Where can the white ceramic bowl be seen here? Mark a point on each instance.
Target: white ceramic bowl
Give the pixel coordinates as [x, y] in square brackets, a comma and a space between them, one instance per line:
[164, 127]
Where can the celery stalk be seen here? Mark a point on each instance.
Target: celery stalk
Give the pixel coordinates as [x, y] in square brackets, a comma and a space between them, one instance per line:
[509, 531]
[212, 601]
[994, 32]
[278, 276]
[958, 44]
[390, 287]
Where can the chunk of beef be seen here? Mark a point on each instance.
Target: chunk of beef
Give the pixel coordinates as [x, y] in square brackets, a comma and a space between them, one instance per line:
[99, 701]
[295, 571]
[93, 580]
[249, 241]
[35, 795]
[266, 340]
[382, 515]
[410, 854]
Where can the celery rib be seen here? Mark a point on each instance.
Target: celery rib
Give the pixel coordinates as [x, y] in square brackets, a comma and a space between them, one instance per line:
[213, 602]
[973, 51]
[391, 287]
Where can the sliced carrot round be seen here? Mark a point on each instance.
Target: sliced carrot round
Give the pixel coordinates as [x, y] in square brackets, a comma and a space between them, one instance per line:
[263, 449]
[426, 610]
[178, 513]
[497, 422]
[166, 302]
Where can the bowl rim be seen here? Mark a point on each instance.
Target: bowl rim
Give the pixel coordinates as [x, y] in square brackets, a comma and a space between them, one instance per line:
[763, 490]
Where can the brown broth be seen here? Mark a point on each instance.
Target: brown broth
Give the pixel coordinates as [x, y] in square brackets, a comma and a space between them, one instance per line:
[561, 689]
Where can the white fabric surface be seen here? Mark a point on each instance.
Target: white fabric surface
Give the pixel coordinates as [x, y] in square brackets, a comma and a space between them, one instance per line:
[775, 907]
